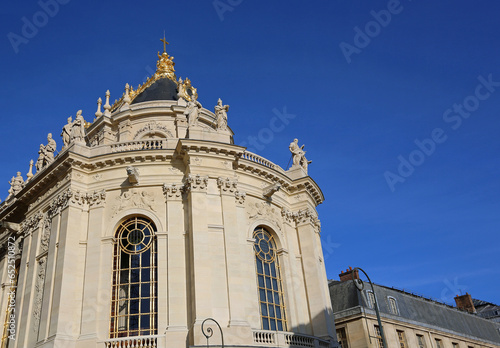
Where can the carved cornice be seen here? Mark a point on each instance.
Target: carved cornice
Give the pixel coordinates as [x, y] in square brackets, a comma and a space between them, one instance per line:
[173, 191]
[196, 182]
[227, 185]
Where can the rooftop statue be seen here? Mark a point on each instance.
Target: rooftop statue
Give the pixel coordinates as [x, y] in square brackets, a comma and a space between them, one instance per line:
[46, 153]
[66, 132]
[192, 112]
[299, 155]
[221, 115]
[78, 128]
[16, 185]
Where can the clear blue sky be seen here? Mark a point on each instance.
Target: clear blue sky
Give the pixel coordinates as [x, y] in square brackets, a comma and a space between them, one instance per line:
[361, 92]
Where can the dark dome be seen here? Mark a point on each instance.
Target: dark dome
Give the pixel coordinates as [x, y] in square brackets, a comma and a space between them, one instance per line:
[162, 89]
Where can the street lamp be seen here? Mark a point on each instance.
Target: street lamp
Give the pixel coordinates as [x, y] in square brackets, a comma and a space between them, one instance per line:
[360, 285]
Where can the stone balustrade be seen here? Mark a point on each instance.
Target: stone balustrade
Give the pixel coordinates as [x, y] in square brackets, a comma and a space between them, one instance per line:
[266, 338]
[132, 342]
[147, 144]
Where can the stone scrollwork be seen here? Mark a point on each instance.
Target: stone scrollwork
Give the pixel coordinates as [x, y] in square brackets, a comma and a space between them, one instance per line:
[173, 191]
[196, 182]
[227, 185]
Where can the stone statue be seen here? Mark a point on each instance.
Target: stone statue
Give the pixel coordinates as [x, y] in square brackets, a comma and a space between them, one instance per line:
[50, 148]
[66, 133]
[182, 90]
[299, 155]
[193, 112]
[221, 115]
[46, 153]
[41, 156]
[16, 184]
[78, 128]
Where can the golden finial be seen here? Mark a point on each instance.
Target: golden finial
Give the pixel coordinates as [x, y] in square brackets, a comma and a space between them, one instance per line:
[165, 43]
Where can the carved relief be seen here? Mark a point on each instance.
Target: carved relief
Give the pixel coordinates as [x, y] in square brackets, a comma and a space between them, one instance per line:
[31, 224]
[287, 215]
[134, 199]
[196, 182]
[97, 198]
[264, 210]
[227, 185]
[153, 127]
[173, 191]
[44, 240]
[39, 285]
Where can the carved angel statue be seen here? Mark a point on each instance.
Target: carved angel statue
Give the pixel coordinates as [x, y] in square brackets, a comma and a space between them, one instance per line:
[78, 128]
[221, 115]
[193, 112]
[299, 155]
[66, 132]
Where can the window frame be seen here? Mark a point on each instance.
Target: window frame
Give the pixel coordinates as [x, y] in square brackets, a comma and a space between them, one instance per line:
[134, 300]
[269, 285]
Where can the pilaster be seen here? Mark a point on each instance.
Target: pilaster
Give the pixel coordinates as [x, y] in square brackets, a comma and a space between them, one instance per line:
[318, 298]
[176, 307]
[239, 330]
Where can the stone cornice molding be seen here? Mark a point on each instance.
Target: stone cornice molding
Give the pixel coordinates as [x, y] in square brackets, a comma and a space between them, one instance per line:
[196, 182]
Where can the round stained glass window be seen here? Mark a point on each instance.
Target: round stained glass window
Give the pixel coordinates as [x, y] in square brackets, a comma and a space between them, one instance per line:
[264, 246]
[135, 235]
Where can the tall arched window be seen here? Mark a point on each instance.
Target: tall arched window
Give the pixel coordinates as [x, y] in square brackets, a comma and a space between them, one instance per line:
[134, 300]
[272, 304]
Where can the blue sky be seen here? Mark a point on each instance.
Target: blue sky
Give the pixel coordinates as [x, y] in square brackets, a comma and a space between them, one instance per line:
[361, 84]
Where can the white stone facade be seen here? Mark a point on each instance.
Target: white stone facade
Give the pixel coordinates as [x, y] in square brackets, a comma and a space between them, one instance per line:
[205, 196]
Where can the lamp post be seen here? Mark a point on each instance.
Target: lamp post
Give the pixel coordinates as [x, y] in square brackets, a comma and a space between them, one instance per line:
[360, 285]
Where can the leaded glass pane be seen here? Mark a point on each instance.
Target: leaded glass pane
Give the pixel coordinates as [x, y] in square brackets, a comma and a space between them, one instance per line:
[269, 281]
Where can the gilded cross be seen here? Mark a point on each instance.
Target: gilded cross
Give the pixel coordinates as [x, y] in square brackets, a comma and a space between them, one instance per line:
[165, 43]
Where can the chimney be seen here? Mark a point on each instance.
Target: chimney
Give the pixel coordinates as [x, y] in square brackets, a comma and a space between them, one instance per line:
[464, 302]
[347, 275]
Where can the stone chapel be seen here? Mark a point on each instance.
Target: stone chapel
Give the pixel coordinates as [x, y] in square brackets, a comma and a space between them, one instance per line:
[149, 221]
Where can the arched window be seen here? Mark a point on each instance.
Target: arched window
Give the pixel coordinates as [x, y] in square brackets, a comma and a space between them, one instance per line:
[272, 305]
[134, 300]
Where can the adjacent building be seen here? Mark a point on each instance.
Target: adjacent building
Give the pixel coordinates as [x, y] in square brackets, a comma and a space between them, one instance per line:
[408, 320]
